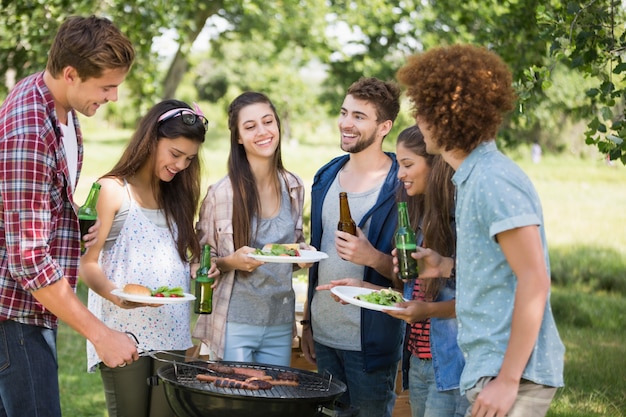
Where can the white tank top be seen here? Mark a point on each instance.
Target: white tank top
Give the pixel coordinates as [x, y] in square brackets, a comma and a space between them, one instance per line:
[146, 254]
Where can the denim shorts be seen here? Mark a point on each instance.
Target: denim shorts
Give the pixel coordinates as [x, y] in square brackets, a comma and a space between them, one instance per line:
[258, 344]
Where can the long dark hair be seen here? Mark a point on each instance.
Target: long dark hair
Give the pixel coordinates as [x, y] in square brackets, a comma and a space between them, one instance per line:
[246, 204]
[178, 198]
[435, 207]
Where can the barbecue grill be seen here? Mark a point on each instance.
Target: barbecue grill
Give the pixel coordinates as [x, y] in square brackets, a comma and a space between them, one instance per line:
[315, 394]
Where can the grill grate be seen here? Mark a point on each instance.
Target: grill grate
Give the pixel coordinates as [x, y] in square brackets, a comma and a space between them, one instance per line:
[311, 385]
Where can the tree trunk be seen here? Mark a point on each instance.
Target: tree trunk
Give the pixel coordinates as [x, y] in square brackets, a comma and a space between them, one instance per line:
[180, 65]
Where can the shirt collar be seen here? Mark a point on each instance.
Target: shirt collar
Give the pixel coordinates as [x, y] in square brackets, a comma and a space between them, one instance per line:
[472, 159]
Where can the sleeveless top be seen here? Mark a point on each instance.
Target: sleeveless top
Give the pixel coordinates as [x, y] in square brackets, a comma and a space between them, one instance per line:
[146, 254]
[265, 296]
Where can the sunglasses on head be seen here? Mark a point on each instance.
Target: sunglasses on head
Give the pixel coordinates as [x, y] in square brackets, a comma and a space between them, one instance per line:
[187, 116]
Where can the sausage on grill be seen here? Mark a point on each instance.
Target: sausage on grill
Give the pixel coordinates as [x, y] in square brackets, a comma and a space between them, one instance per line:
[255, 373]
[229, 370]
[231, 383]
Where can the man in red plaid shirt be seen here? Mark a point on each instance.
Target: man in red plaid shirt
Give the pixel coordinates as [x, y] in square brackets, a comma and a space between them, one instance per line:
[41, 153]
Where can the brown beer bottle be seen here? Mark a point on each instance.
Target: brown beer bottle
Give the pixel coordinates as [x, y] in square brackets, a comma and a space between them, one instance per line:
[346, 224]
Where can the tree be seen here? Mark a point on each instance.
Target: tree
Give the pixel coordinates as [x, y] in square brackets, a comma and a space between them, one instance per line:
[591, 39]
[365, 37]
[533, 36]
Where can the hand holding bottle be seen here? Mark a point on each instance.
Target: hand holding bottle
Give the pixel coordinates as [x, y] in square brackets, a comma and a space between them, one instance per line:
[345, 224]
[88, 217]
[204, 284]
[405, 245]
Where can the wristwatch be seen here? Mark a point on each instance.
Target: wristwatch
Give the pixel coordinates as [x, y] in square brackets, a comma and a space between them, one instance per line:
[305, 322]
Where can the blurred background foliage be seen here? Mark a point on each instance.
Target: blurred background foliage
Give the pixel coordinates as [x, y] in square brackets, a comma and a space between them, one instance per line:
[567, 57]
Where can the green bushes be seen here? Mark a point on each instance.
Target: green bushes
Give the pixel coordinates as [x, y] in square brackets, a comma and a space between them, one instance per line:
[591, 267]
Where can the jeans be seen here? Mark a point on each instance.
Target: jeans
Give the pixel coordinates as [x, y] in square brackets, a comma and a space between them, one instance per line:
[533, 400]
[372, 392]
[29, 380]
[425, 399]
[260, 344]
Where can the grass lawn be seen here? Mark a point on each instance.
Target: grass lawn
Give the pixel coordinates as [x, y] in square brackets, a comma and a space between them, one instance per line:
[584, 211]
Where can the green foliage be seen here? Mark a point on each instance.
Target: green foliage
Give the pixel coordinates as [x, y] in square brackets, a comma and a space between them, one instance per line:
[227, 71]
[588, 266]
[591, 326]
[352, 38]
[25, 28]
[591, 39]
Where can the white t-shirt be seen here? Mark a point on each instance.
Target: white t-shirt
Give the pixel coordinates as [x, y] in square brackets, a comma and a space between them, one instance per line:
[70, 143]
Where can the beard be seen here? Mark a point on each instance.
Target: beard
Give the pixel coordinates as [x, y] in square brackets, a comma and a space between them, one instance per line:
[360, 145]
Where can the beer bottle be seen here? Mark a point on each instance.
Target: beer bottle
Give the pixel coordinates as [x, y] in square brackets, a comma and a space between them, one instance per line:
[204, 291]
[405, 245]
[346, 224]
[87, 214]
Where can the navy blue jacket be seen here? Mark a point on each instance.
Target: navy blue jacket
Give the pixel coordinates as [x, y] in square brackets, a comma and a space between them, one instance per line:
[381, 335]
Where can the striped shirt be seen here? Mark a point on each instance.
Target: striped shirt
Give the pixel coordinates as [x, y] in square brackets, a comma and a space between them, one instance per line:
[419, 336]
[39, 234]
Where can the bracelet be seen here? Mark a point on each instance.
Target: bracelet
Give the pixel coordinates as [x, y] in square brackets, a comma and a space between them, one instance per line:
[305, 322]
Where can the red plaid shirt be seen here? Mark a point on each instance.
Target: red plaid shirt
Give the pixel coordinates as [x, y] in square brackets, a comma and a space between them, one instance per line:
[39, 234]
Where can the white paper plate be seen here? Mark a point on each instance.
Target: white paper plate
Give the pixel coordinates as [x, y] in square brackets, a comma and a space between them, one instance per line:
[347, 294]
[152, 300]
[306, 256]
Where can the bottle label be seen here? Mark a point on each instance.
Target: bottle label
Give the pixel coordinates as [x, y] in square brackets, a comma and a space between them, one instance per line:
[406, 246]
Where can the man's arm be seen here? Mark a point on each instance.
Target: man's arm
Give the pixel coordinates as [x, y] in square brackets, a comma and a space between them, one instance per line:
[358, 249]
[114, 348]
[523, 250]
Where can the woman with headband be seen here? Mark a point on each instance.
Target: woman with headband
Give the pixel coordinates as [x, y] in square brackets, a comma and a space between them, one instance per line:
[147, 208]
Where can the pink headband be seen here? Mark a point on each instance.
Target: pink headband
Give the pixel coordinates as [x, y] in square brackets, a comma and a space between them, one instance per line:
[196, 110]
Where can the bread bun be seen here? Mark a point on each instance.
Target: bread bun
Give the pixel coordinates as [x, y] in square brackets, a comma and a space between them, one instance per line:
[294, 246]
[137, 289]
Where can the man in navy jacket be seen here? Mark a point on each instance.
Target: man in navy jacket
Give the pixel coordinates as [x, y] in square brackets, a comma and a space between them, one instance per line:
[358, 346]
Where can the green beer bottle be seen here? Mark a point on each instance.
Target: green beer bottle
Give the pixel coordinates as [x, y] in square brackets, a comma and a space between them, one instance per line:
[87, 214]
[204, 291]
[405, 245]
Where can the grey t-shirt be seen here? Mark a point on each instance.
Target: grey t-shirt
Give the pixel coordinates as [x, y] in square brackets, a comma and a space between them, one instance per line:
[334, 324]
[265, 296]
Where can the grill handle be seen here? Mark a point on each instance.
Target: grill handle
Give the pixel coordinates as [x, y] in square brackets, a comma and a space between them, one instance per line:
[323, 411]
[152, 381]
[347, 412]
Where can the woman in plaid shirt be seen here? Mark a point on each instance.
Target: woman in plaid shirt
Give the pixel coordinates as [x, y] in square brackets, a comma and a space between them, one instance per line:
[259, 202]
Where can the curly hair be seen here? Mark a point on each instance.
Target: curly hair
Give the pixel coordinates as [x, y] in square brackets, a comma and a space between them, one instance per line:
[462, 91]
